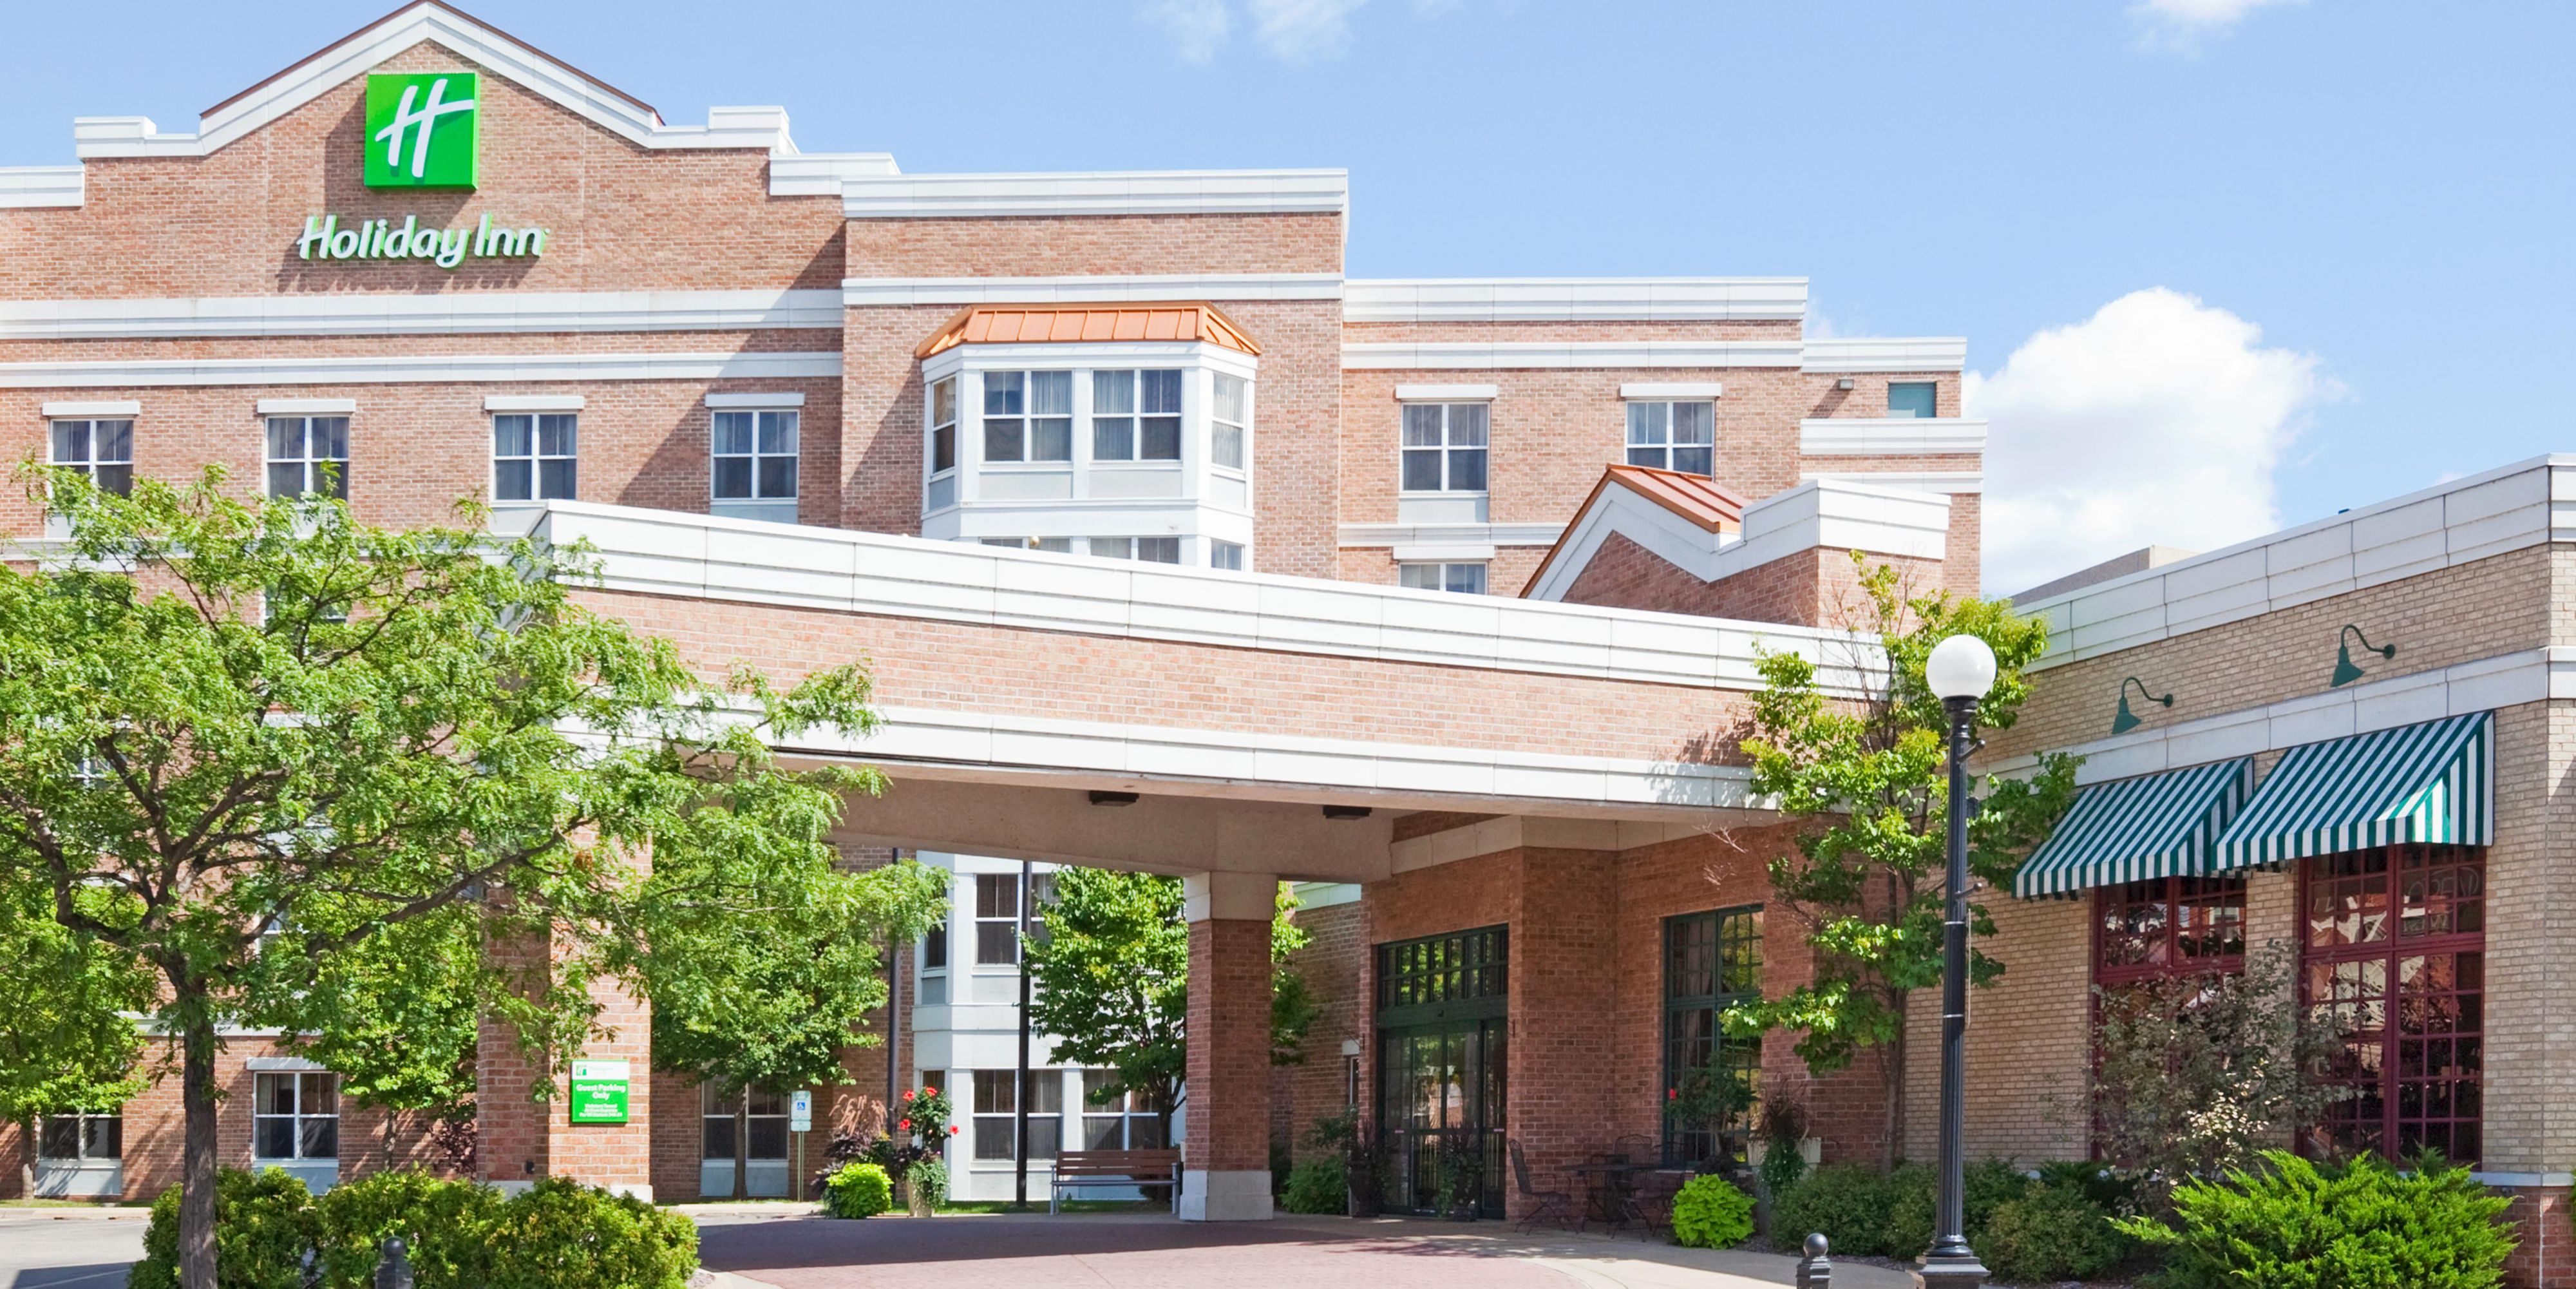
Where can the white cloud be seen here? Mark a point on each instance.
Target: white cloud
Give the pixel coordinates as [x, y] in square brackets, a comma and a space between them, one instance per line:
[1300, 30]
[2157, 421]
[1198, 28]
[2181, 22]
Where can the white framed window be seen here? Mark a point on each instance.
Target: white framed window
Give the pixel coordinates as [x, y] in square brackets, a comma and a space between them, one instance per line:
[752, 1122]
[1226, 555]
[100, 449]
[753, 455]
[1122, 1122]
[308, 456]
[1465, 579]
[1151, 550]
[1230, 421]
[1444, 447]
[81, 1136]
[1913, 399]
[943, 444]
[1673, 436]
[295, 1116]
[997, 1114]
[997, 919]
[1060, 545]
[1028, 416]
[536, 456]
[1136, 415]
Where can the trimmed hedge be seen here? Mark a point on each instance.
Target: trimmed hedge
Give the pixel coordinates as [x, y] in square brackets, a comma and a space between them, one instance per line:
[1317, 1186]
[859, 1190]
[1711, 1213]
[2300, 1225]
[2053, 1233]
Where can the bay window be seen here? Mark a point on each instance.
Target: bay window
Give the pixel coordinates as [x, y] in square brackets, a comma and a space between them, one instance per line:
[1229, 420]
[1028, 416]
[943, 444]
[1136, 416]
[997, 1114]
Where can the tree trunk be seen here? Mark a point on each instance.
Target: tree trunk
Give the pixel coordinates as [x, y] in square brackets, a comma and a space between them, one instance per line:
[197, 1155]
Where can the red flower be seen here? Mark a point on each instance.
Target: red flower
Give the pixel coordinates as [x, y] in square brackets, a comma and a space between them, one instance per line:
[905, 1124]
[930, 1092]
[907, 1096]
[952, 1130]
[1672, 1094]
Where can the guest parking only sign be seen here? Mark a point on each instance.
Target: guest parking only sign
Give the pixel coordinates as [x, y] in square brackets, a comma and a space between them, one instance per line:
[599, 1092]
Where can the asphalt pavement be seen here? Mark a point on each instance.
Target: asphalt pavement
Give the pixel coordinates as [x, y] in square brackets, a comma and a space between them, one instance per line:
[68, 1249]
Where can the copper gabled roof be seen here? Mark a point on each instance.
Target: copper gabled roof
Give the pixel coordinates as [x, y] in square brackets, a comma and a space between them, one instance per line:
[1002, 324]
[1694, 497]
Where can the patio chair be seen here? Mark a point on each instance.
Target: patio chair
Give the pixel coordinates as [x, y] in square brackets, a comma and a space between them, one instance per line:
[1650, 1200]
[1544, 1206]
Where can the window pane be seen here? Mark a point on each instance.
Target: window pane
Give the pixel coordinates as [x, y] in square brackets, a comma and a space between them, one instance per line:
[1159, 391]
[556, 435]
[1420, 577]
[1046, 1092]
[1005, 393]
[1693, 461]
[997, 895]
[1225, 555]
[1113, 548]
[273, 1137]
[943, 448]
[715, 1139]
[1113, 438]
[1467, 470]
[1909, 399]
[1050, 393]
[286, 480]
[59, 1138]
[1230, 400]
[320, 1094]
[1144, 1132]
[943, 402]
[285, 438]
[997, 944]
[934, 946]
[993, 1092]
[114, 440]
[778, 478]
[1467, 424]
[1051, 439]
[71, 442]
[1466, 579]
[273, 1093]
[769, 1137]
[103, 1136]
[733, 478]
[732, 433]
[329, 438]
[512, 436]
[778, 432]
[1159, 550]
[1422, 425]
[1161, 439]
[1422, 471]
[1648, 423]
[1113, 392]
[510, 480]
[1002, 440]
[1225, 445]
[1102, 1131]
[1653, 457]
[993, 1137]
[318, 1139]
[1694, 422]
[118, 479]
[555, 480]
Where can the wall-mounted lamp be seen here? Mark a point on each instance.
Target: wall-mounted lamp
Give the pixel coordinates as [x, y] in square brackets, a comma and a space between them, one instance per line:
[1346, 812]
[2345, 673]
[1100, 798]
[1844, 383]
[2128, 720]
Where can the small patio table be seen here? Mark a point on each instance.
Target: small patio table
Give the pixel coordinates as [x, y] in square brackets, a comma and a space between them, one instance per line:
[1606, 1190]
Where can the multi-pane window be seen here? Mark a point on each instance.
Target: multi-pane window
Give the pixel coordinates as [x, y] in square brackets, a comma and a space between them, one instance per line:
[1226, 555]
[81, 1135]
[1673, 436]
[535, 456]
[943, 443]
[2168, 926]
[103, 450]
[308, 455]
[1151, 550]
[1116, 1122]
[748, 1125]
[997, 915]
[1060, 545]
[1912, 399]
[1028, 416]
[1712, 961]
[1136, 416]
[295, 1116]
[754, 456]
[1444, 447]
[996, 1114]
[2393, 951]
[1230, 421]
[1465, 579]
[934, 947]
[1445, 968]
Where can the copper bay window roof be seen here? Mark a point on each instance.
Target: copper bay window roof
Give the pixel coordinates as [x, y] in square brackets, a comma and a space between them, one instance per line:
[1005, 324]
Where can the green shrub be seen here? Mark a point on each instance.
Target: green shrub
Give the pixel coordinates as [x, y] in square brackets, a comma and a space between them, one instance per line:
[1316, 1186]
[859, 1190]
[2362, 1226]
[264, 1222]
[560, 1234]
[1710, 1213]
[2113, 1190]
[445, 1228]
[928, 1178]
[1847, 1202]
[2053, 1233]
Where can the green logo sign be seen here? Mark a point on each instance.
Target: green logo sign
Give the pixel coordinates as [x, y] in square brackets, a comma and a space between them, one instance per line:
[599, 1092]
[420, 129]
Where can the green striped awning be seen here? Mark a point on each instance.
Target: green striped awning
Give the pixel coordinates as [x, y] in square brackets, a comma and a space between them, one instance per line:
[2433, 782]
[2155, 825]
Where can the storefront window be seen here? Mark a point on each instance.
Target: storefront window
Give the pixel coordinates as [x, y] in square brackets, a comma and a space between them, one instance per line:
[2394, 954]
[2169, 926]
[1712, 961]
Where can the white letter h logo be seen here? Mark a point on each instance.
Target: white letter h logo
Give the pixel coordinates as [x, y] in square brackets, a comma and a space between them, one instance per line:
[425, 118]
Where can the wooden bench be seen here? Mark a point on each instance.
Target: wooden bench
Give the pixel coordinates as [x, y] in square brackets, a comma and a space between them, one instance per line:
[1078, 1169]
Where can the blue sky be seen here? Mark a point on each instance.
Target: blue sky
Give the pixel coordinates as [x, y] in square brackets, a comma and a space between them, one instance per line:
[2379, 191]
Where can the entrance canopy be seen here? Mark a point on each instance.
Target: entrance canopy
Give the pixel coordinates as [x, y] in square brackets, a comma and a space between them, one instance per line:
[2155, 825]
[2433, 782]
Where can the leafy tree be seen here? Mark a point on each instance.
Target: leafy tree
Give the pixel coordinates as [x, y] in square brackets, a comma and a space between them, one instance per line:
[1866, 879]
[223, 722]
[1110, 979]
[67, 1037]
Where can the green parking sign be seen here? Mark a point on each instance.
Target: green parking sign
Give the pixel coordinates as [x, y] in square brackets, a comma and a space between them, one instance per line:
[420, 129]
[599, 1092]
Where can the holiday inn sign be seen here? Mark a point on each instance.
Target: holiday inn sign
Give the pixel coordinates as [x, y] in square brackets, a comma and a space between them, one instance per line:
[422, 132]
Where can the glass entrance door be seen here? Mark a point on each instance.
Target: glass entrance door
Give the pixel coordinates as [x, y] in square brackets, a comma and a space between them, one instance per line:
[1442, 1063]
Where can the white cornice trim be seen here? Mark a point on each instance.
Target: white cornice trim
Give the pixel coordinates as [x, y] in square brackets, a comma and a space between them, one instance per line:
[1575, 299]
[1887, 353]
[1891, 436]
[1945, 481]
[489, 50]
[1832, 514]
[308, 406]
[821, 174]
[1110, 288]
[1375, 535]
[454, 313]
[2486, 684]
[670, 553]
[1140, 192]
[1447, 393]
[1481, 355]
[417, 368]
[28, 186]
[2487, 514]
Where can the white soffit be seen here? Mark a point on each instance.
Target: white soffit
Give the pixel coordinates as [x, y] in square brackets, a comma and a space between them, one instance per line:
[307, 406]
[396, 369]
[1574, 299]
[1102, 288]
[1447, 393]
[387, 314]
[1139, 192]
[1887, 353]
[1502, 355]
[1891, 436]
[116, 407]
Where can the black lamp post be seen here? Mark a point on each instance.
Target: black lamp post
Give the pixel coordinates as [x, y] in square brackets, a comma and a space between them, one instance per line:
[1960, 671]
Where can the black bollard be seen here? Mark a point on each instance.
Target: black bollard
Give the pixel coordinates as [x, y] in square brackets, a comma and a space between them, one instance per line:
[1816, 1270]
[393, 1267]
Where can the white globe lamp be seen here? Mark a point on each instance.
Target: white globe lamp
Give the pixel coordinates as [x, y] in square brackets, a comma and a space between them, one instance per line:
[1960, 667]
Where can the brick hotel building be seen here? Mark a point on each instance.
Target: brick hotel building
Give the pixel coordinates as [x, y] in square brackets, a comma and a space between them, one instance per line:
[1439, 597]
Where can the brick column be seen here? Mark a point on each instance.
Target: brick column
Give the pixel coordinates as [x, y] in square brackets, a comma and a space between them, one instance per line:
[521, 1139]
[1225, 1158]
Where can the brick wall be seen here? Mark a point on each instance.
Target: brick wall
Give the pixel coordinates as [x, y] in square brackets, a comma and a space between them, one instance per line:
[1811, 588]
[1229, 1051]
[1332, 963]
